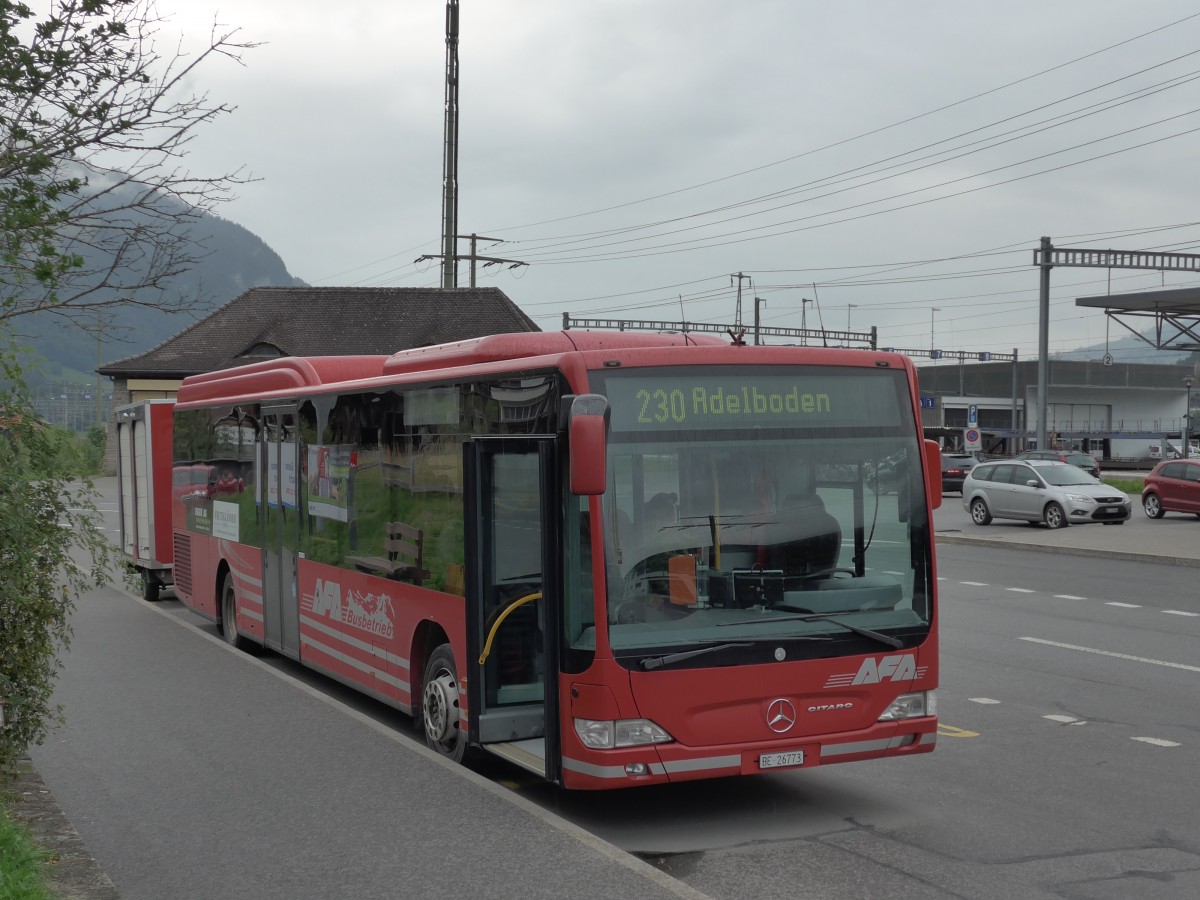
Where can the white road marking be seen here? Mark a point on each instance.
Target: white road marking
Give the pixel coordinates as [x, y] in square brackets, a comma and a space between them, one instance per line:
[984, 700]
[1124, 605]
[1021, 590]
[1114, 655]
[1157, 742]
[1179, 612]
[974, 583]
[1066, 720]
[1068, 597]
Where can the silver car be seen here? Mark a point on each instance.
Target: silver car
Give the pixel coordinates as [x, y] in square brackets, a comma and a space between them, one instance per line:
[1036, 490]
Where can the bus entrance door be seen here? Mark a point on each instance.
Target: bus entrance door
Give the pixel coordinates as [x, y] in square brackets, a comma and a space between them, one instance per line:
[281, 531]
[513, 600]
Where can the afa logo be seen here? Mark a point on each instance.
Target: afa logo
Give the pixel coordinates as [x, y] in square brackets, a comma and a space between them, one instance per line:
[897, 668]
[327, 600]
[901, 667]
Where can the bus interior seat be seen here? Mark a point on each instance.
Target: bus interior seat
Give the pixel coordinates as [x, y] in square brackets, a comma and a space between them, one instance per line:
[818, 548]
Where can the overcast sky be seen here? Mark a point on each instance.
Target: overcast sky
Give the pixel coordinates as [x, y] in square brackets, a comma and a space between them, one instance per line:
[879, 159]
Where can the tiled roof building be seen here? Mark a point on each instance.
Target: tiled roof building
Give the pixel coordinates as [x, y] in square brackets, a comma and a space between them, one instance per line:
[268, 322]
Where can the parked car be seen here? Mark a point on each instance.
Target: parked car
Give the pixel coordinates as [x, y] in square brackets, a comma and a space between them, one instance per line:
[1040, 490]
[1172, 486]
[1085, 461]
[1173, 452]
[955, 467]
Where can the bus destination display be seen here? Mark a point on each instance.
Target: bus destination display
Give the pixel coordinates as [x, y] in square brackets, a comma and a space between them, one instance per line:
[646, 401]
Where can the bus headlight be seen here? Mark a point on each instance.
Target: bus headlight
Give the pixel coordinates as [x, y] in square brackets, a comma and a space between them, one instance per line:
[911, 706]
[608, 734]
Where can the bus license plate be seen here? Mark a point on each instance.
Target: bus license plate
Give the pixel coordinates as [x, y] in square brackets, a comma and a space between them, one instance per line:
[780, 760]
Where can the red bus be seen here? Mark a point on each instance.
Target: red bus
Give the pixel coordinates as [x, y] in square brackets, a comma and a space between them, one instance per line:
[613, 559]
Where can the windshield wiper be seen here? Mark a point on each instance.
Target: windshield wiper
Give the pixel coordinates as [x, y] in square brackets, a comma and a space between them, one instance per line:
[827, 617]
[657, 662]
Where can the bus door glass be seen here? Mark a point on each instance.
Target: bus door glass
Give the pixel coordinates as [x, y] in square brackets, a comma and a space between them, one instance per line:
[513, 600]
[281, 532]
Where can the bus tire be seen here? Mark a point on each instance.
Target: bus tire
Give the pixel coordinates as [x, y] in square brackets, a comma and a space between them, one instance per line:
[440, 705]
[229, 628]
[150, 587]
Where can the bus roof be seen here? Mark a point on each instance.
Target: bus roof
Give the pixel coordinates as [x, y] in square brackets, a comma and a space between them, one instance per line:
[501, 347]
[299, 375]
[286, 373]
[294, 373]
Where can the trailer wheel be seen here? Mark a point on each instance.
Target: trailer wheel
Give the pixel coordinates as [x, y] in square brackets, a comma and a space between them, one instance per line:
[229, 616]
[440, 706]
[150, 587]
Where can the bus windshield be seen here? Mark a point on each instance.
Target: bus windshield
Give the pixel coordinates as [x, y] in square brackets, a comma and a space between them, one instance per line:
[745, 506]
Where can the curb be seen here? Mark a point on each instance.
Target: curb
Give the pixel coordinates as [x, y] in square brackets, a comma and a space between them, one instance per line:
[1162, 559]
[72, 872]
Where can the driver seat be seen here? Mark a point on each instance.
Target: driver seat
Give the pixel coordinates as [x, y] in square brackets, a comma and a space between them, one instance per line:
[815, 537]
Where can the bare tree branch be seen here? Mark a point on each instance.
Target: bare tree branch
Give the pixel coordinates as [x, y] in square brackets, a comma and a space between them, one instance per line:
[95, 122]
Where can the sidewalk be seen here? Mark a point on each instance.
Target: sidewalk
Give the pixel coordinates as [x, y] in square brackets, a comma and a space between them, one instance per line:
[1173, 540]
[73, 874]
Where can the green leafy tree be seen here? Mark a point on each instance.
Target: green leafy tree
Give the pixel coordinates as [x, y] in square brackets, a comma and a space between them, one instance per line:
[50, 551]
[95, 206]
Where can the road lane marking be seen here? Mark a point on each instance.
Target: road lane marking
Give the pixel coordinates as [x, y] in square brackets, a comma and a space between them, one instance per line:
[1157, 742]
[1124, 605]
[1065, 720]
[974, 583]
[1113, 654]
[945, 730]
[984, 700]
[1068, 597]
[1179, 612]
[1021, 590]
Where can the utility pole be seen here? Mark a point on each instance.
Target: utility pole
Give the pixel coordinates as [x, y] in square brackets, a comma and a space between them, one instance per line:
[450, 150]
[472, 256]
[1043, 370]
[737, 318]
[758, 301]
[804, 301]
[1046, 257]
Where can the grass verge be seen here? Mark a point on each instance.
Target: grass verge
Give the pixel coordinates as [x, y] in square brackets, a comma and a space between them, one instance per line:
[21, 860]
[1131, 486]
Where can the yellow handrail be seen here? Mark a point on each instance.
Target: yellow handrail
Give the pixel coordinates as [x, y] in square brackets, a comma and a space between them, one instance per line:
[487, 647]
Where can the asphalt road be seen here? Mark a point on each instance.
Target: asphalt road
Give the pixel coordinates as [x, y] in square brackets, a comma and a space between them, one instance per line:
[1066, 765]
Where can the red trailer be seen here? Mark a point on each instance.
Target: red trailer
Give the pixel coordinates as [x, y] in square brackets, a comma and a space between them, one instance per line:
[144, 471]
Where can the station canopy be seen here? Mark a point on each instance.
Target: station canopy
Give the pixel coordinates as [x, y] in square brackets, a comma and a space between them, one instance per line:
[1175, 312]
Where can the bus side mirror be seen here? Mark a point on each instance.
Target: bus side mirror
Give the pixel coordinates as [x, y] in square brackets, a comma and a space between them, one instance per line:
[587, 434]
[933, 473]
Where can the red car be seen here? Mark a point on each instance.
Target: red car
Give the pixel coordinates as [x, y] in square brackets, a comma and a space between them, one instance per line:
[1172, 486]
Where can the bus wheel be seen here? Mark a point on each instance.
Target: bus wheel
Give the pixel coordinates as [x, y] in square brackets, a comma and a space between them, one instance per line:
[440, 705]
[150, 587]
[229, 616]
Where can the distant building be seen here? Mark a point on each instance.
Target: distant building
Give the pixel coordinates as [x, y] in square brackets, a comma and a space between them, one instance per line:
[1114, 411]
[269, 322]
